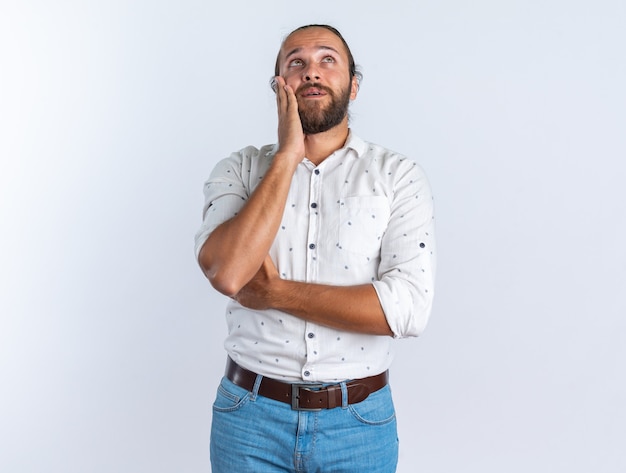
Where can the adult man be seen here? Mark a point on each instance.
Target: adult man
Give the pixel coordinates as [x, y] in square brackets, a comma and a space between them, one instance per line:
[324, 243]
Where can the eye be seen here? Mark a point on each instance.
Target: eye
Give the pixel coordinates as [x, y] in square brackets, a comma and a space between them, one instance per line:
[328, 59]
[295, 63]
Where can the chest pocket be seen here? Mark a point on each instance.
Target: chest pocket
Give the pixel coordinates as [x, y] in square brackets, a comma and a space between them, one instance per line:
[362, 223]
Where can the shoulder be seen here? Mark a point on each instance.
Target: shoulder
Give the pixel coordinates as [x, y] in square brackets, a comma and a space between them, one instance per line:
[374, 152]
[388, 161]
[252, 152]
[249, 158]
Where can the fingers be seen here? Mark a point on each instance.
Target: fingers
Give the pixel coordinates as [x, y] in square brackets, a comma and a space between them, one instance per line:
[287, 104]
[285, 98]
[290, 136]
[281, 95]
[292, 101]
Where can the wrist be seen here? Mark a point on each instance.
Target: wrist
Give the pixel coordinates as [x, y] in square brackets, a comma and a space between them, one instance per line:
[288, 157]
[281, 294]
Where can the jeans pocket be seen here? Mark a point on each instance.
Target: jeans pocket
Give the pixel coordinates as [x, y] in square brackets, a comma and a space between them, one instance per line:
[230, 397]
[377, 409]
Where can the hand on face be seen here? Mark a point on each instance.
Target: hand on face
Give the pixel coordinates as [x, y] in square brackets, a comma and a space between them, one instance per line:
[290, 134]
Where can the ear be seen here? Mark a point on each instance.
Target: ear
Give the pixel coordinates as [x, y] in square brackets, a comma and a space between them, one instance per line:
[354, 88]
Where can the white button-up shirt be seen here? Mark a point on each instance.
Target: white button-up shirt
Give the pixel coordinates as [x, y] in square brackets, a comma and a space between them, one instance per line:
[363, 215]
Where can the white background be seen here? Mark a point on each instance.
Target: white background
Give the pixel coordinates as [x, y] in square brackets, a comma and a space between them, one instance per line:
[112, 114]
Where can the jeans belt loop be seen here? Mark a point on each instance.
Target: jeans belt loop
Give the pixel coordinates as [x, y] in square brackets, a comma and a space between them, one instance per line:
[344, 395]
[309, 397]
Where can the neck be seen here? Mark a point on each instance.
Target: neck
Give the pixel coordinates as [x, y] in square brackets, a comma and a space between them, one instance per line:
[321, 145]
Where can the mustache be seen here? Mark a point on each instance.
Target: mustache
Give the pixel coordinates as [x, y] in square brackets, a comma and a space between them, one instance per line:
[315, 85]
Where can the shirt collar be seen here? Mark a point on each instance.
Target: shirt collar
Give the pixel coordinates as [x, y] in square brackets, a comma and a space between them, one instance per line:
[356, 143]
[352, 142]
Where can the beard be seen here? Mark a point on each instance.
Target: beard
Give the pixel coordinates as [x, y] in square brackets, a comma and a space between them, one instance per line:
[318, 119]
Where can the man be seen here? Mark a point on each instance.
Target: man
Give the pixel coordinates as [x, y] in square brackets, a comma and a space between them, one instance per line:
[324, 243]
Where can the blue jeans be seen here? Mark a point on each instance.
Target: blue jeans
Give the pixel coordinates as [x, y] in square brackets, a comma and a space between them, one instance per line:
[254, 434]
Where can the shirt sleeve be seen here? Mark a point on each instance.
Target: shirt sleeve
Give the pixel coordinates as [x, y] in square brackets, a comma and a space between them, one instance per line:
[406, 274]
[225, 193]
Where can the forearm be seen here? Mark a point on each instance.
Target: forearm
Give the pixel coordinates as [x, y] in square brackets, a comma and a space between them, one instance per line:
[235, 250]
[349, 308]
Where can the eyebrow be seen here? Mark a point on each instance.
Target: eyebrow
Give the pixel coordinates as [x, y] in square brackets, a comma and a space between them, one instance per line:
[297, 50]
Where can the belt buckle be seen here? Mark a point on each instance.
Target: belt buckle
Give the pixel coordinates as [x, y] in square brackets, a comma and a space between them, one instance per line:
[295, 399]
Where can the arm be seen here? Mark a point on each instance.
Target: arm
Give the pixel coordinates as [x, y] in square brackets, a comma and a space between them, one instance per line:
[350, 308]
[398, 302]
[235, 250]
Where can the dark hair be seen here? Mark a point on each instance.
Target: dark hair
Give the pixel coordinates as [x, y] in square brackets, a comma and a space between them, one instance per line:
[351, 65]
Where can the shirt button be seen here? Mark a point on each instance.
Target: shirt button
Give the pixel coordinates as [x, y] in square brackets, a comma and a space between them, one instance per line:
[314, 205]
[317, 171]
[307, 373]
[311, 335]
[312, 246]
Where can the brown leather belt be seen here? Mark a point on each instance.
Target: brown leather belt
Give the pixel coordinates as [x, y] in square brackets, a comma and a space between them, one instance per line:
[306, 397]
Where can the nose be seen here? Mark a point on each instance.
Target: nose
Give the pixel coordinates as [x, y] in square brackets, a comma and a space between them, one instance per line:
[310, 73]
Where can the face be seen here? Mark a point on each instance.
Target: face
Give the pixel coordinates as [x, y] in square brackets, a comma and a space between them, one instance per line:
[314, 63]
